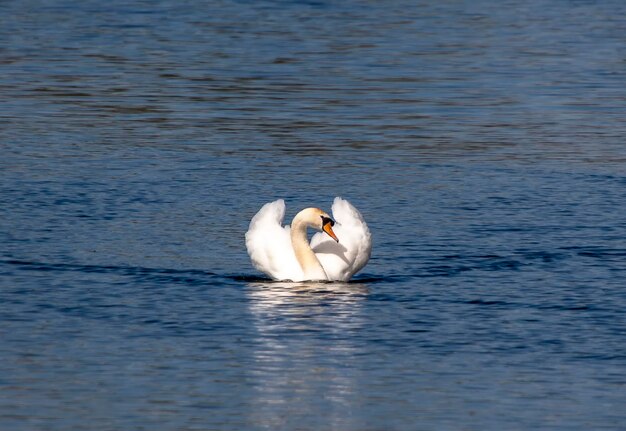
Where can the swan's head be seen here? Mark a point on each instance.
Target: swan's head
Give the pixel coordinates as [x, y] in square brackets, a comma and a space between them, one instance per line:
[317, 219]
[327, 226]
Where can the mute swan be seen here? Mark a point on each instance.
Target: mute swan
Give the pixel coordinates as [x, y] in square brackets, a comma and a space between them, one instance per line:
[284, 253]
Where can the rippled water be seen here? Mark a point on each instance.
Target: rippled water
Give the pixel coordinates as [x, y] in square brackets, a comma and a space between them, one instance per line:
[483, 142]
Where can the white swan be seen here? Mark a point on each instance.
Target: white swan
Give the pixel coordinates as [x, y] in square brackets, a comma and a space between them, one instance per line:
[284, 253]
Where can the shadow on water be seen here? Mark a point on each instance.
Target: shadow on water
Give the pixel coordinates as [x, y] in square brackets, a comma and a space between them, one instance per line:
[187, 276]
[195, 276]
[199, 277]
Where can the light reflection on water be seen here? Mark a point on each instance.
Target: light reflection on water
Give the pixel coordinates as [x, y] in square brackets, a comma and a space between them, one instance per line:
[289, 370]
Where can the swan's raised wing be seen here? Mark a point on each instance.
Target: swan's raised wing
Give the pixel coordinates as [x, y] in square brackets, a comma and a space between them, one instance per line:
[344, 259]
[269, 243]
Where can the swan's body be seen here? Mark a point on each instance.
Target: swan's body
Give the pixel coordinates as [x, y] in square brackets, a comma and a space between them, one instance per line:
[284, 253]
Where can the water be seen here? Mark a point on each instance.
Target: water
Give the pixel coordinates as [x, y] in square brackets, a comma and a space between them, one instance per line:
[483, 143]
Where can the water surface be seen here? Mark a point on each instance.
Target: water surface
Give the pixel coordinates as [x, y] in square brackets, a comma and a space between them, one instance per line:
[483, 143]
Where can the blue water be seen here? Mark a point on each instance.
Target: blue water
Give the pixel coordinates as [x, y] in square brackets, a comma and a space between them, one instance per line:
[482, 141]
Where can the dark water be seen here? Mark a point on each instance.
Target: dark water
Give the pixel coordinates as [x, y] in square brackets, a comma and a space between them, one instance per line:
[482, 141]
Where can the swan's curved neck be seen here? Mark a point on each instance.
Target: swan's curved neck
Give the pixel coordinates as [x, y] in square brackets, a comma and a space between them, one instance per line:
[311, 266]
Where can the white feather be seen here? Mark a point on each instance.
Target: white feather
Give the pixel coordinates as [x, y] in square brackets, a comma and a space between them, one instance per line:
[344, 259]
[269, 243]
[270, 249]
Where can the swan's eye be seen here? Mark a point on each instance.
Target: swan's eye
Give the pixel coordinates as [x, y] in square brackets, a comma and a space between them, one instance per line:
[326, 220]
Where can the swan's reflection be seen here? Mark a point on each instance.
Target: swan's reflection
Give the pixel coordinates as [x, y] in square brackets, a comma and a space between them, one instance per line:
[307, 337]
[274, 293]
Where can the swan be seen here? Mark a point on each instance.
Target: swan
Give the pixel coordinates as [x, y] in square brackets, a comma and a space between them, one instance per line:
[341, 248]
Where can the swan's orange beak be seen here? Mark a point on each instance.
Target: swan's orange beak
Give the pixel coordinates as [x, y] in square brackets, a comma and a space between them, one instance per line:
[328, 228]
